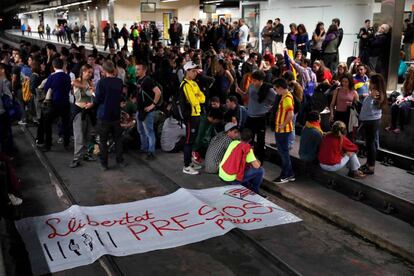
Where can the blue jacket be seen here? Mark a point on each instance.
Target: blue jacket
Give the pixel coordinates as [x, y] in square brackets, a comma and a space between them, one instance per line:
[60, 84]
[310, 139]
[108, 99]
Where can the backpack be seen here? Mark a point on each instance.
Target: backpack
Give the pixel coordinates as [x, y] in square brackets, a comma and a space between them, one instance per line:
[27, 95]
[181, 108]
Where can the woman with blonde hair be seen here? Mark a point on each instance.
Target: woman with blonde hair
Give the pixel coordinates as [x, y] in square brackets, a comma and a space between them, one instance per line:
[336, 151]
[83, 115]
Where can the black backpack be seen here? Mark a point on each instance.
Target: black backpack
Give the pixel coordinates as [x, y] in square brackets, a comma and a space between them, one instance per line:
[180, 107]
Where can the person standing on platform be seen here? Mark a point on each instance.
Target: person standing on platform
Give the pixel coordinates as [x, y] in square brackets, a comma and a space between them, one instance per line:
[68, 31]
[125, 35]
[194, 97]
[47, 32]
[267, 34]
[261, 99]
[76, 33]
[29, 30]
[283, 129]
[370, 116]
[40, 30]
[364, 35]
[109, 36]
[83, 32]
[277, 37]
[108, 105]
[116, 35]
[175, 31]
[92, 35]
[243, 35]
[337, 22]
[23, 28]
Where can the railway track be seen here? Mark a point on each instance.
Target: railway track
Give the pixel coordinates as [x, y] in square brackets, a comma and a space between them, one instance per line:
[109, 263]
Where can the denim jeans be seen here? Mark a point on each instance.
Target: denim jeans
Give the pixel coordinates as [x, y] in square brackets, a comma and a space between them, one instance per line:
[282, 144]
[292, 136]
[252, 180]
[146, 133]
[352, 162]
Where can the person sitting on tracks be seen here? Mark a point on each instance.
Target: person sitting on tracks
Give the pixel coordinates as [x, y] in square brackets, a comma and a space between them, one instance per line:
[311, 137]
[240, 165]
[336, 151]
[218, 146]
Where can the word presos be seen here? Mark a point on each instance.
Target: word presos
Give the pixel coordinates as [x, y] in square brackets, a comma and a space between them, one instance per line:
[80, 235]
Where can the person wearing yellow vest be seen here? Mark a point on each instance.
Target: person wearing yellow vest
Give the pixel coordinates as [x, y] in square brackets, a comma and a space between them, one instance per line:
[195, 98]
[284, 127]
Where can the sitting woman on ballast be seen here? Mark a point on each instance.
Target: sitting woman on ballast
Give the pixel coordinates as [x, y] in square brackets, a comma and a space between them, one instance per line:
[336, 151]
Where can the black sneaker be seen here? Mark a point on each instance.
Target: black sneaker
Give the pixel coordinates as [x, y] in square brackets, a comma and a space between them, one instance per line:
[280, 180]
[74, 164]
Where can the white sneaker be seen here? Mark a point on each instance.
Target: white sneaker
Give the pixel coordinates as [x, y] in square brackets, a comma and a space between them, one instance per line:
[15, 201]
[22, 123]
[190, 170]
[196, 166]
[325, 111]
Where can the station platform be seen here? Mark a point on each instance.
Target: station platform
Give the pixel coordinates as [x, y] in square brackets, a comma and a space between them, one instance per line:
[390, 189]
[16, 36]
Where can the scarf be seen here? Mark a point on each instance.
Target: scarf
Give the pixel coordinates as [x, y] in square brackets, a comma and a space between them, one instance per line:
[314, 125]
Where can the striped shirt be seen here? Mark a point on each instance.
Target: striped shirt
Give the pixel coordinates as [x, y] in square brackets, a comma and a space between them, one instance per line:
[285, 105]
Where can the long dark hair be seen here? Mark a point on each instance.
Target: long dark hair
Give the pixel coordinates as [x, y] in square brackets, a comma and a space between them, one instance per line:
[377, 80]
[301, 29]
[350, 80]
[318, 28]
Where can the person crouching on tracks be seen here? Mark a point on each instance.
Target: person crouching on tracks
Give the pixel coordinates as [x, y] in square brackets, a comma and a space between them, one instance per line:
[240, 166]
[194, 97]
[83, 114]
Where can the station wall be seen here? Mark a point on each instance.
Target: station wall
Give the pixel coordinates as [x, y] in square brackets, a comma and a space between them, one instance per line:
[352, 14]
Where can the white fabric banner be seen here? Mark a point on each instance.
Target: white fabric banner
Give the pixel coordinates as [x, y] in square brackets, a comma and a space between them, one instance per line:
[80, 235]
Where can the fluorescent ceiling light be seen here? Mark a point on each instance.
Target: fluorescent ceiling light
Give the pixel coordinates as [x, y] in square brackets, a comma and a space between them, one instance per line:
[166, 1]
[57, 7]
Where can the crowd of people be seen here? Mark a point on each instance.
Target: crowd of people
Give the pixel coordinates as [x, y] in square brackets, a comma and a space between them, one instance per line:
[212, 99]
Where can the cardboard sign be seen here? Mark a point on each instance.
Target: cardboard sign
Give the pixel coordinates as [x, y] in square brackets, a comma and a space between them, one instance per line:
[81, 235]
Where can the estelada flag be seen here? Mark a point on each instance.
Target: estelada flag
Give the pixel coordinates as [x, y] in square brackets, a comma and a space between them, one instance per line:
[290, 66]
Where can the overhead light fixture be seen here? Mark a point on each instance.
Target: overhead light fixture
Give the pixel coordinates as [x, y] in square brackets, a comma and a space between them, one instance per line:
[213, 2]
[166, 1]
[56, 7]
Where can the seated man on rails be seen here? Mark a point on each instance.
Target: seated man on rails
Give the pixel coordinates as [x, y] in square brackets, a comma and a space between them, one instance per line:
[239, 164]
